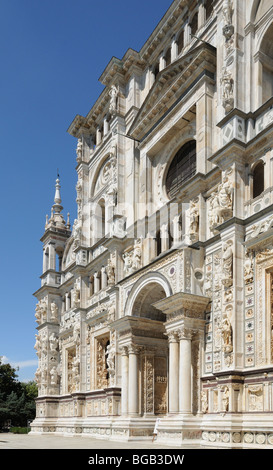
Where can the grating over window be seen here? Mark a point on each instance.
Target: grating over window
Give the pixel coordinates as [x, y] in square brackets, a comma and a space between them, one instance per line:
[182, 168]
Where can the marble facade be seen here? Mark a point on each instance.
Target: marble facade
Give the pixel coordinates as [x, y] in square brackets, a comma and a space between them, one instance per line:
[158, 301]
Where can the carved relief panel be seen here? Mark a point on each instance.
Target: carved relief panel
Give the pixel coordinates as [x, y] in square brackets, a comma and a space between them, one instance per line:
[102, 375]
[161, 381]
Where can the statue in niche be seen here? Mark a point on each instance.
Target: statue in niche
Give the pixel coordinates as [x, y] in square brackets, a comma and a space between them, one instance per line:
[76, 296]
[248, 268]
[194, 220]
[136, 261]
[110, 360]
[110, 270]
[54, 376]
[225, 399]
[227, 264]
[127, 262]
[225, 193]
[113, 99]
[76, 233]
[53, 343]
[54, 312]
[227, 83]
[79, 150]
[204, 402]
[227, 12]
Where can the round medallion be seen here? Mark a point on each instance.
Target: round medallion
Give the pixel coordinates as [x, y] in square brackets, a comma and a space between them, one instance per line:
[260, 438]
[236, 437]
[225, 437]
[212, 436]
[248, 437]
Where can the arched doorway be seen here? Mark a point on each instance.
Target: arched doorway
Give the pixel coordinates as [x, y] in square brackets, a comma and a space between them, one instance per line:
[145, 349]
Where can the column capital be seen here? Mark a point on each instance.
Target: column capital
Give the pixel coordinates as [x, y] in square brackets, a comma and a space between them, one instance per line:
[173, 337]
[134, 349]
[124, 351]
[185, 333]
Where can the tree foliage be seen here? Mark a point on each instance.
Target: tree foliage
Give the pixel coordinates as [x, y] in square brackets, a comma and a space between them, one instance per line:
[17, 399]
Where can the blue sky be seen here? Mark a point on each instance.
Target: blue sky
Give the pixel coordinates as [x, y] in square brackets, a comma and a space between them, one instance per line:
[52, 53]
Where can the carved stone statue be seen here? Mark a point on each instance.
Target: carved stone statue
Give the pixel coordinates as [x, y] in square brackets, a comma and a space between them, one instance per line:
[204, 402]
[113, 99]
[227, 12]
[79, 150]
[227, 264]
[227, 90]
[225, 399]
[194, 220]
[54, 312]
[226, 330]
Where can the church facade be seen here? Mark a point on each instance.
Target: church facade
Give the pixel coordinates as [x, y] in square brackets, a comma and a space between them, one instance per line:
[156, 305]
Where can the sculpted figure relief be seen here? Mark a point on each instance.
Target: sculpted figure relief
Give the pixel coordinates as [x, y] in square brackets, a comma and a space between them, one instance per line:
[221, 203]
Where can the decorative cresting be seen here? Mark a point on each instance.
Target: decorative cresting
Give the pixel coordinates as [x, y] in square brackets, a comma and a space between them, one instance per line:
[185, 322]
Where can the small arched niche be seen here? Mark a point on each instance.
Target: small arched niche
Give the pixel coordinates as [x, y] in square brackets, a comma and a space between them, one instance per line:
[258, 179]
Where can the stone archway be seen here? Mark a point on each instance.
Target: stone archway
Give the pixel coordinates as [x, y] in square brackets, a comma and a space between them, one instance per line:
[144, 348]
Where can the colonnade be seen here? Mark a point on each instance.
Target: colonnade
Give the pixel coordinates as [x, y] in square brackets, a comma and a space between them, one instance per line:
[179, 376]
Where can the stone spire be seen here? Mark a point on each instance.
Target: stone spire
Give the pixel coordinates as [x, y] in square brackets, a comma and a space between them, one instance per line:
[56, 219]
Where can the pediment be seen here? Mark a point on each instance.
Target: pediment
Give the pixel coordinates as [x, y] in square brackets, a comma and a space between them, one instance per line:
[172, 83]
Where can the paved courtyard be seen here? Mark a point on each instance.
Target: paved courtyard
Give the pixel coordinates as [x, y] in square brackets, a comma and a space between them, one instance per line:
[28, 441]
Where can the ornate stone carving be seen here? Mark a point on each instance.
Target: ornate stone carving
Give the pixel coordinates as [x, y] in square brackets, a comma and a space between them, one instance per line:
[132, 259]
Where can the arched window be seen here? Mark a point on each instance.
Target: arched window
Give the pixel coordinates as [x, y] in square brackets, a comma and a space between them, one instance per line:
[194, 24]
[258, 179]
[156, 70]
[158, 243]
[180, 42]
[168, 57]
[209, 8]
[182, 168]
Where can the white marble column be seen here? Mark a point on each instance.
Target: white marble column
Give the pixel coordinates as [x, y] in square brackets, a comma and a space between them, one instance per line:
[103, 278]
[133, 385]
[173, 373]
[96, 283]
[124, 383]
[185, 389]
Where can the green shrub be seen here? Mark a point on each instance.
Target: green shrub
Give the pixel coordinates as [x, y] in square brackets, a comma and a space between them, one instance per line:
[19, 430]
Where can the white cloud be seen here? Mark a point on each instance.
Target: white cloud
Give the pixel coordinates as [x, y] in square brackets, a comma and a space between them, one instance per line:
[20, 364]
